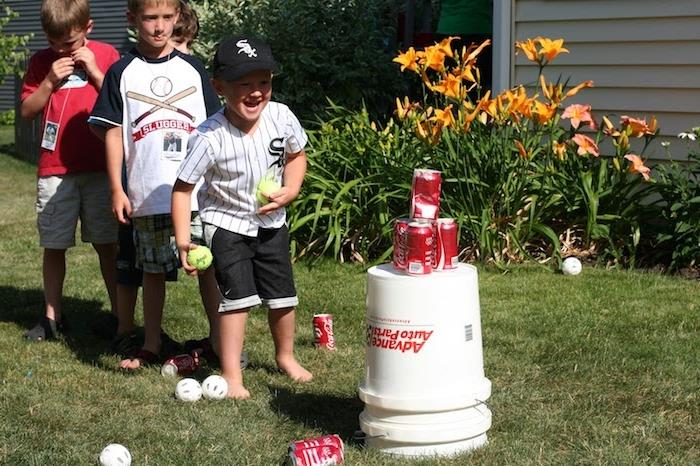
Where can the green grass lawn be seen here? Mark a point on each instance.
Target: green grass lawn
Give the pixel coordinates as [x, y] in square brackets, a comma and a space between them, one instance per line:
[602, 368]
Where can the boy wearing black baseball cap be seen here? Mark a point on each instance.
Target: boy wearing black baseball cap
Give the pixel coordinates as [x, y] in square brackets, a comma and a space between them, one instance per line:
[251, 156]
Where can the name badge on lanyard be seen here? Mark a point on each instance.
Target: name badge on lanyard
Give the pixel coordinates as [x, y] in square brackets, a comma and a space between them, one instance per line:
[51, 128]
[48, 140]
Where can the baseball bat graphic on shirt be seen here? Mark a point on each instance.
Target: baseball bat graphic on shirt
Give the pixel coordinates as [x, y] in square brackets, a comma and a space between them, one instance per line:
[180, 95]
[157, 103]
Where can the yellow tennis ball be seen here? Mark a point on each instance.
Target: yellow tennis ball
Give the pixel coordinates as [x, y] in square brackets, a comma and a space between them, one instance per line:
[200, 257]
[265, 188]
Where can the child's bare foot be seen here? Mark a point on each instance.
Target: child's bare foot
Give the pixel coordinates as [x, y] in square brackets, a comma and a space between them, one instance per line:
[142, 358]
[238, 392]
[294, 370]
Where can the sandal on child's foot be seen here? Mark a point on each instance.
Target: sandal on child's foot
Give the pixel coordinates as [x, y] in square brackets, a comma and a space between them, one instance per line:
[141, 359]
[127, 344]
[46, 329]
[204, 348]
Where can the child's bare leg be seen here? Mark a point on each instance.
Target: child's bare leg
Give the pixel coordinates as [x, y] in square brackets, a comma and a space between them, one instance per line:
[282, 322]
[126, 303]
[107, 253]
[54, 271]
[211, 298]
[232, 333]
[153, 301]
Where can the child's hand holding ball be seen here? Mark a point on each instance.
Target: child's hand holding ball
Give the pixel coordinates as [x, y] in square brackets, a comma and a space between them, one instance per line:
[266, 187]
[200, 258]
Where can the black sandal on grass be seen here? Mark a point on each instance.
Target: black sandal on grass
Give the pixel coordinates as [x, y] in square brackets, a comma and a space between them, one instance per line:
[46, 329]
[204, 348]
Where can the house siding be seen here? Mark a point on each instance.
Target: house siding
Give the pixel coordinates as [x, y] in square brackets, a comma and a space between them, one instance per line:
[643, 56]
[110, 26]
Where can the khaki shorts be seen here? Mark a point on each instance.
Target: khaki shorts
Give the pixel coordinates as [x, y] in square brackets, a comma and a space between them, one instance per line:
[63, 200]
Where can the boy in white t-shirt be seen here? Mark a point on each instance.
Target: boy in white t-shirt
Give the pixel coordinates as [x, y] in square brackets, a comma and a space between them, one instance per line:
[250, 139]
[151, 98]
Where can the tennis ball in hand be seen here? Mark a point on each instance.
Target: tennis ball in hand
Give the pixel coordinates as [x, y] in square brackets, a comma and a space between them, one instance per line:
[200, 257]
[265, 188]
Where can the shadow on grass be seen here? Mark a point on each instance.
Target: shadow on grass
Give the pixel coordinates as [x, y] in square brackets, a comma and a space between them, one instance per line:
[331, 414]
[85, 319]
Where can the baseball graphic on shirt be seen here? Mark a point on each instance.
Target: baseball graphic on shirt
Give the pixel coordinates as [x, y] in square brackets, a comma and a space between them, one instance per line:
[161, 86]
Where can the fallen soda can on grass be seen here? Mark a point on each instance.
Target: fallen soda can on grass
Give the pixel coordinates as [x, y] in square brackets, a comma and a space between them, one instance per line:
[327, 450]
[182, 364]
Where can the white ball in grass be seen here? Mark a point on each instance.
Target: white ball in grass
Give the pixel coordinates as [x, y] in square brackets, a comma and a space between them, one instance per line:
[115, 454]
[188, 390]
[215, 387]
[571, 266]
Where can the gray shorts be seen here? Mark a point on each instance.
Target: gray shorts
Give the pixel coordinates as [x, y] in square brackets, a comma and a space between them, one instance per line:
[63, 200]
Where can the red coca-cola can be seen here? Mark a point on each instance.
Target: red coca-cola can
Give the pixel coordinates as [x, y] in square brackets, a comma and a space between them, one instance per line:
[425, 193]
[323, 331]
[420, 248]
[400, 243]
[447, 244]
[182, 364]
[330, 439]
[322, 455]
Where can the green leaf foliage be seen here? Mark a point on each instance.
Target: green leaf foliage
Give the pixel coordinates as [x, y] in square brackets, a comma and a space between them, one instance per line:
[338, 49]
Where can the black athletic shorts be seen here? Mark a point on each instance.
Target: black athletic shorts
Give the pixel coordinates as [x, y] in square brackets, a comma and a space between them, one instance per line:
[252, 270]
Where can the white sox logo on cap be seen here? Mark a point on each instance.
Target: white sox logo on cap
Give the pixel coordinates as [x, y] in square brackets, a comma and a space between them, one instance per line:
[244, 47]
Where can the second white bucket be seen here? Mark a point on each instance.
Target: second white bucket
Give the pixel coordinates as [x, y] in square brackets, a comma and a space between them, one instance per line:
[424, 387]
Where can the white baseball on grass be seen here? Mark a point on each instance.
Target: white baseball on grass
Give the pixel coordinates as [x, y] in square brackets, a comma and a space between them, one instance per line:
[188, 390]
[571, 266]
[215, 387]
[115, 454]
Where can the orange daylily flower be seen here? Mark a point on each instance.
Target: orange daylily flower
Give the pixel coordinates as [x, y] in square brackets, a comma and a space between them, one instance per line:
[450, 86]
[637, 166]
[470, 114]
[473, 51]
[578, 114]
[550, 48]
[585, 145]
[408, 60]
[435, 58]
[542, 112]
[445, 46]
[466, 73]
[444, 118]
[529, 48]
[636, 127]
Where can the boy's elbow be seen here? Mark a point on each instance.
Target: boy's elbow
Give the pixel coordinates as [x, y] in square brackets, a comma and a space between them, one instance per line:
[26, 113]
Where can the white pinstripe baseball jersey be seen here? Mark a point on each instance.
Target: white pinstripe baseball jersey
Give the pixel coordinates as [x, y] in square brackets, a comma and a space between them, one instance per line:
[233, 163]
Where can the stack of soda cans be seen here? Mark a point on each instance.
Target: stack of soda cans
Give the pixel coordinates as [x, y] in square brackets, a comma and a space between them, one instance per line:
[321, 451]
[424, 242]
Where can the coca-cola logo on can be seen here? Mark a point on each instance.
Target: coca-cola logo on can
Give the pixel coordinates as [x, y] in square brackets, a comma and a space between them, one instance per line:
[323, 331]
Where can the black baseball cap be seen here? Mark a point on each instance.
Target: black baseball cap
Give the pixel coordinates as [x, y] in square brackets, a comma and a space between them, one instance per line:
[237, 56]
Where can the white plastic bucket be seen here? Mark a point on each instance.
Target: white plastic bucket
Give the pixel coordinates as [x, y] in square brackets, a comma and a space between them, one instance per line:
[424, 386]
